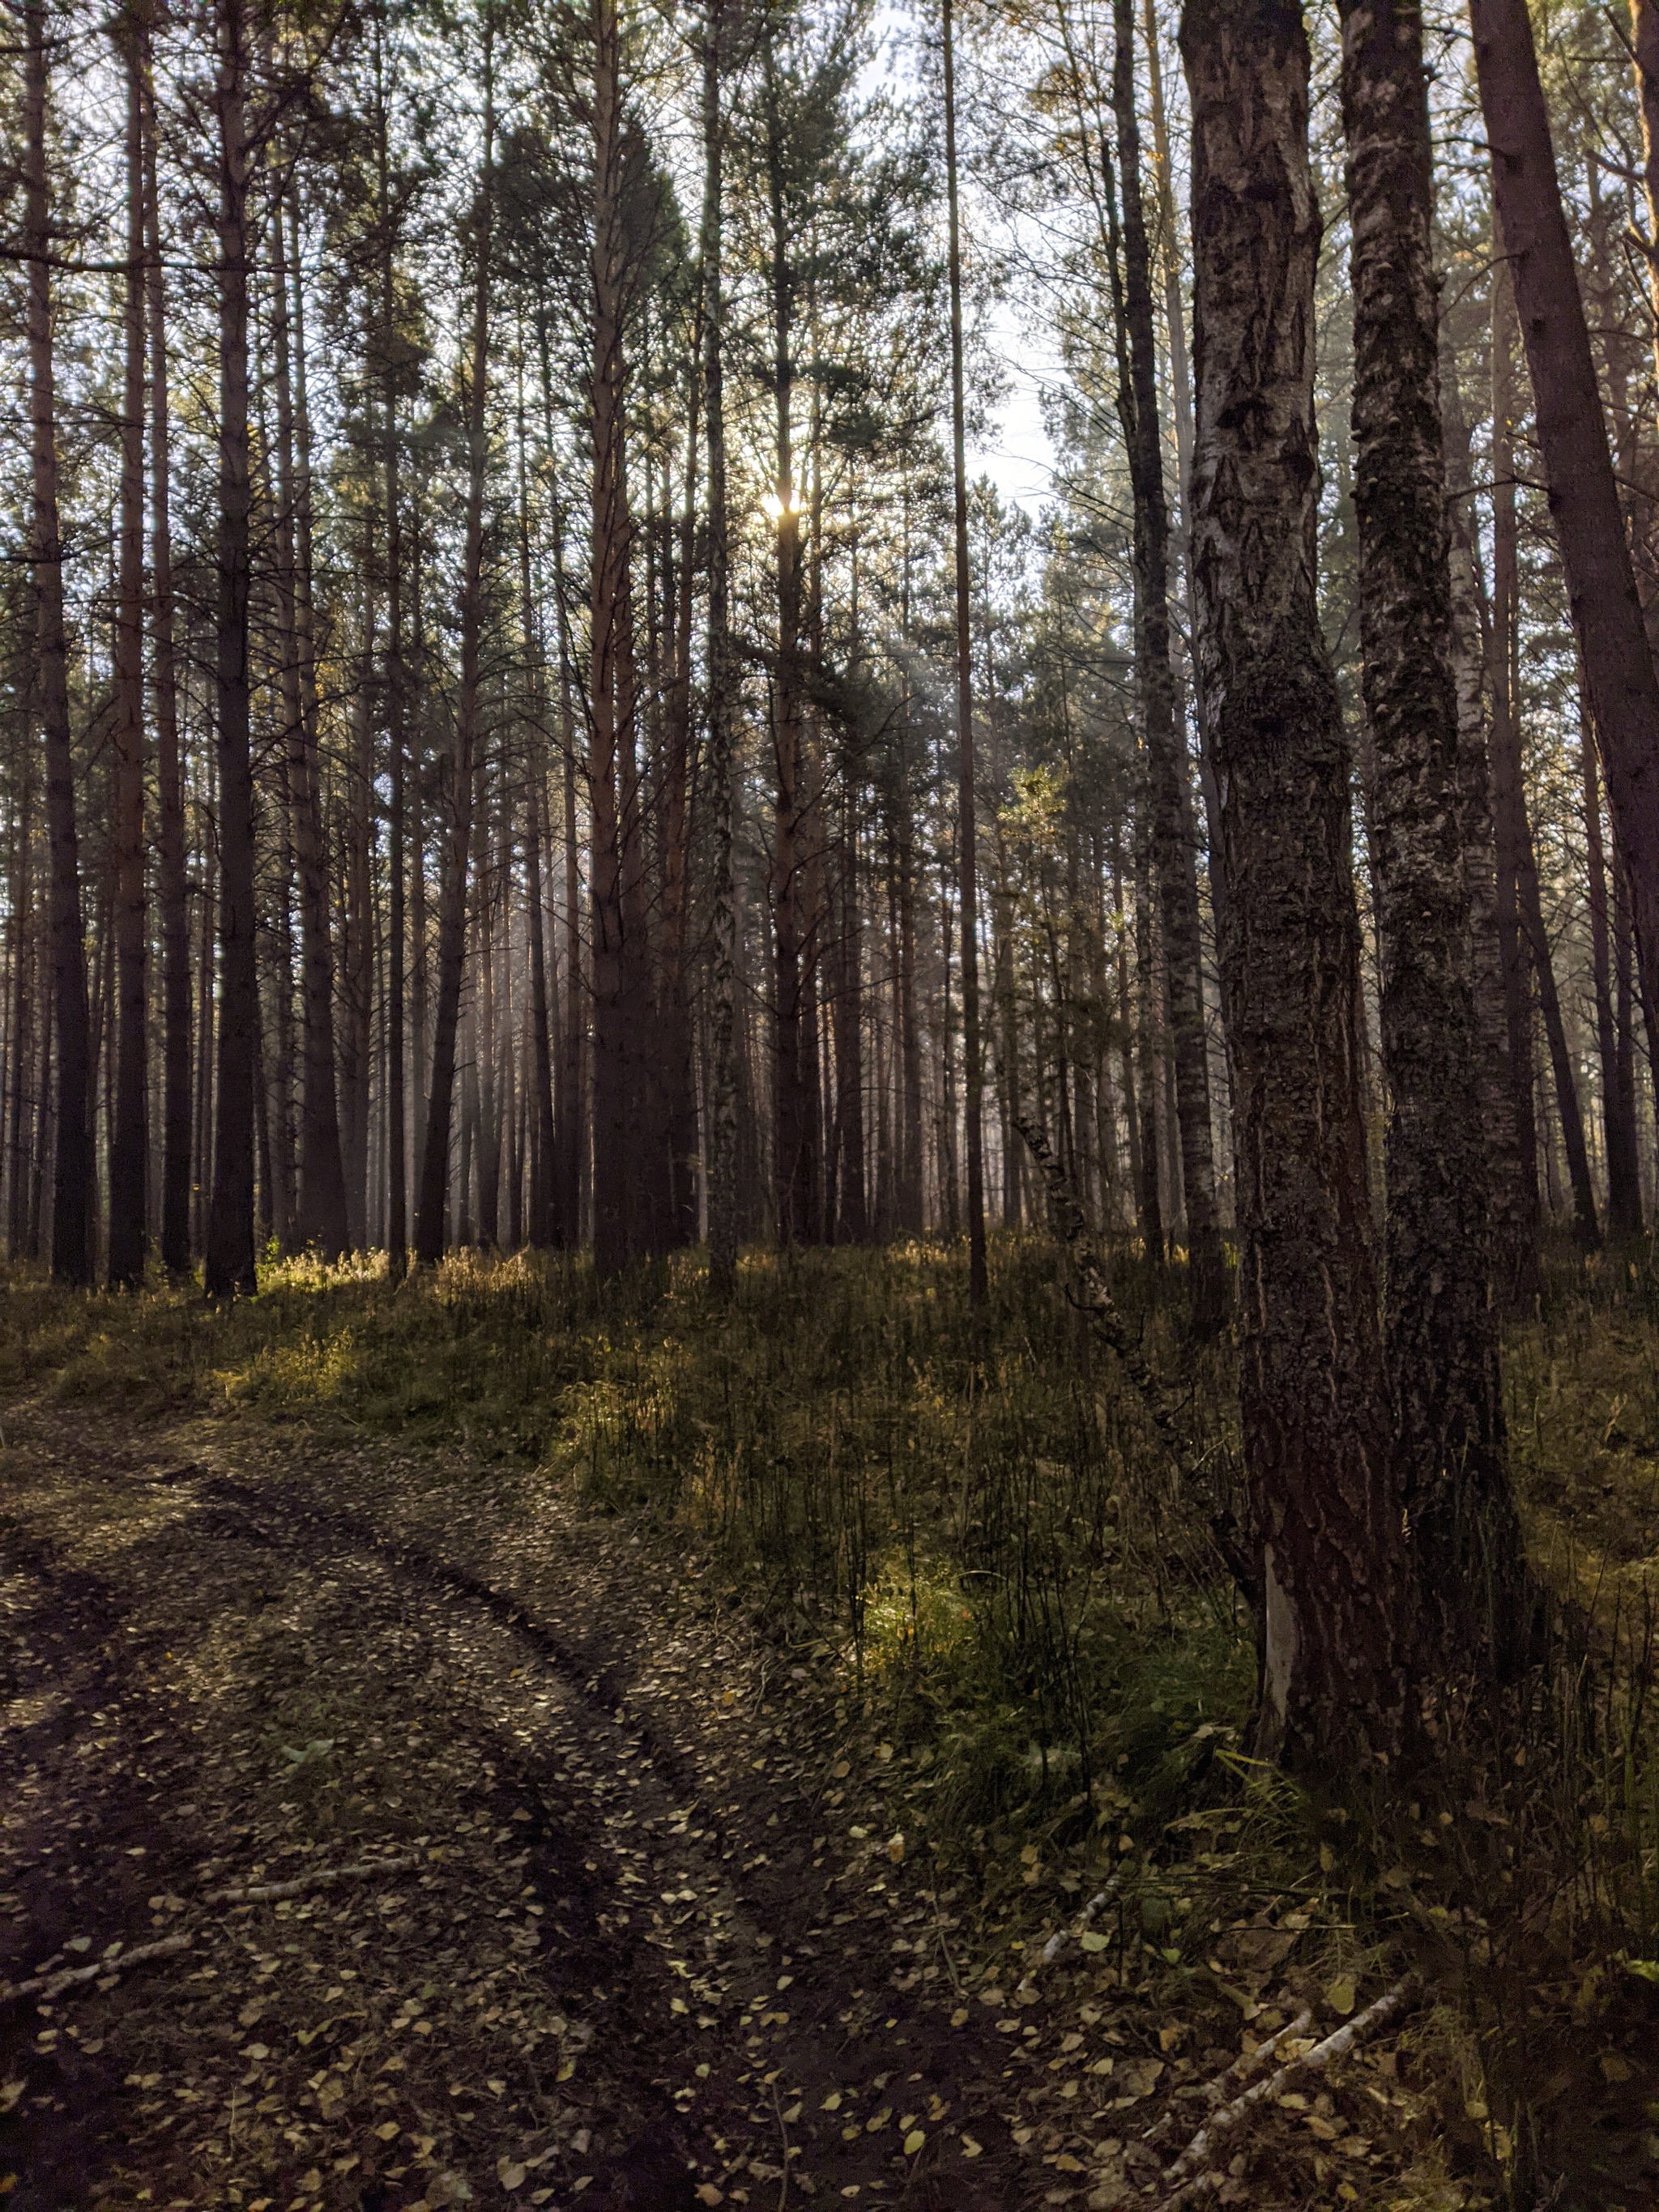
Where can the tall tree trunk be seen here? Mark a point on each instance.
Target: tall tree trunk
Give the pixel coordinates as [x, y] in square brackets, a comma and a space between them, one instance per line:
[1620, 679]
[721, 1144]
[1174, 840]
[617, 960]
[171, 884]
[1511, 837]
[357, 936]
[397, 1229]
[1149, 1208]
[967, 856]
[320, 1219]
[72, 1170]
[230, 1251]
[794, 1156]
[1618, 1117]
[543, 1140]
[129, 1154]
[452, 907]
[1439, 1336]
[675, 1059]
[1326, 1512]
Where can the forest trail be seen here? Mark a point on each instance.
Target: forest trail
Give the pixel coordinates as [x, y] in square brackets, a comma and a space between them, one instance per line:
[629, 1949]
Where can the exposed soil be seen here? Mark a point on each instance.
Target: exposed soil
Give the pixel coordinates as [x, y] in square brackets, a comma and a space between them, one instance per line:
[659, 1941]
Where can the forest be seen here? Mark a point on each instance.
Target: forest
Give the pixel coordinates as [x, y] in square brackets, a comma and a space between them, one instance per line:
[829, 1104]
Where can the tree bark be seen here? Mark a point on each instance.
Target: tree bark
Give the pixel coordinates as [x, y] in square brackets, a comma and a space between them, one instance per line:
[230, 1249]
[721, 1142]
[617, 960]
[171, 884]
[396, 1232]
[967, 857]
[1173, 841]
[129, 1156]
[1621, 680]
[72, 1168]
[452, 907]
[1325, 1511]
[794, 1159]
[1618, 1116]
[321, 1221]
[1439, 1334]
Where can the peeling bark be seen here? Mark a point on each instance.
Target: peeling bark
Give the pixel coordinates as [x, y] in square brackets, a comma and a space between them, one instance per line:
[1325, 1509]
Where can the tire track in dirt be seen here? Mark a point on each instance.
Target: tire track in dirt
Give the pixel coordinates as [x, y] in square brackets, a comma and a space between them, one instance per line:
[744, 1975]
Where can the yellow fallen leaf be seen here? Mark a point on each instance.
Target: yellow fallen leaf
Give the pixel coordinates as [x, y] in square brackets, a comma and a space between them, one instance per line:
[913, 2141]
[386, 2130]
[1614, 2068]
[884, 1753]
[970, 2148]
[707, 2194]
[1092, 1940]
[832, 2102]
[1029, 1855]
[895, 1849]
[1339, 1994]
[509, 2173]
[841, 1769]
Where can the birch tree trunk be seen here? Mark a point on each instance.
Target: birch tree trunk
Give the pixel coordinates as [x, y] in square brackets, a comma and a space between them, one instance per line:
[1439, 1333]
[1325, 1511]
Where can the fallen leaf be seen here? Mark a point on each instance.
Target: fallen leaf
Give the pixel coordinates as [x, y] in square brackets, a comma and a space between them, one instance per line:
[895, 1849]
[913, 2141]
[386, 2130]
[509, 2173]
[1092, 1940]
[1614, 2068]
[1339, 1994]
[1140, 2076]
[970, 2148]
[707, 2194]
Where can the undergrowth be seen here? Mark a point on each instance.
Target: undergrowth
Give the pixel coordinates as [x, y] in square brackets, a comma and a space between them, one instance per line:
[967, 1517]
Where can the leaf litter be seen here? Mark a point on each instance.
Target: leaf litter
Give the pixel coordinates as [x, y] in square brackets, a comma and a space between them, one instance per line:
[497, 1860]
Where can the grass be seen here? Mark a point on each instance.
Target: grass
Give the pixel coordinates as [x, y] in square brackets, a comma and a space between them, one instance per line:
[967, 1516]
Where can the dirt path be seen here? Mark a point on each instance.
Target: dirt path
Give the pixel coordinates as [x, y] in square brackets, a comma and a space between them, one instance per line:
[650, 1934]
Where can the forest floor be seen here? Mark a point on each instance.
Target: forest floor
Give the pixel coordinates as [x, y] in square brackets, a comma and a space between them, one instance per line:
[636, 1905]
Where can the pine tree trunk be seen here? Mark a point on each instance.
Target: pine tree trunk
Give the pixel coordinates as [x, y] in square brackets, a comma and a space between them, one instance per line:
[967, 856]
[612, 697]
[1618, 1120]
[129, 1154]
[230, 1247]
[720, 1141]
[397, 1234]
[794, 1157]
[1439, 1333]
[320, 1219]
[1620, 679]
[1511, 837]
[1511, 1186]
[72, 1170]
[675, 1059]
[453, 904]
[1326, 1513]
